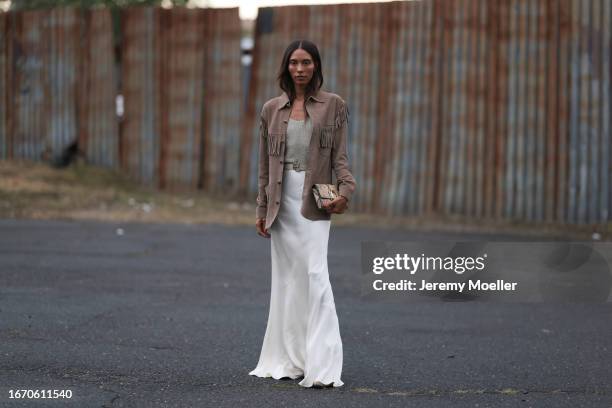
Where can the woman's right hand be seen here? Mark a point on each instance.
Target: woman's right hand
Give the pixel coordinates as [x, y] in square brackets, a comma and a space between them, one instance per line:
[261, 225]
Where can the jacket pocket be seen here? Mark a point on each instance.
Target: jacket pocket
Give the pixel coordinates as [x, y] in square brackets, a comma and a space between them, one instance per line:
[275, 140]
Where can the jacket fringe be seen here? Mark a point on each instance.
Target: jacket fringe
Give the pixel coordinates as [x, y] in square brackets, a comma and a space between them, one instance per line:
[342, 115]
[263, 128]
[274, 144]
[327, 133]
[326, 136]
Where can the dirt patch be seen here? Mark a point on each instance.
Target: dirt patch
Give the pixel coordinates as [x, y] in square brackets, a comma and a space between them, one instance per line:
[37, 191]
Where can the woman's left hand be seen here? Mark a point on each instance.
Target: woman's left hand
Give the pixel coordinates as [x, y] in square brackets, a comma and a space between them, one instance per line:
[337, 206]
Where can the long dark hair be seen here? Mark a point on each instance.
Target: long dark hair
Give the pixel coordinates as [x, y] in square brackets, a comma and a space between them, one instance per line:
[284, 78]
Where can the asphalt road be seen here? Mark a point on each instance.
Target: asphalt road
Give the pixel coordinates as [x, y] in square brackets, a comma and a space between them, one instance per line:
[174, 316]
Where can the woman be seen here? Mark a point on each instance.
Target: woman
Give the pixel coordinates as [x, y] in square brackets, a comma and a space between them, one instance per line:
[303, 136]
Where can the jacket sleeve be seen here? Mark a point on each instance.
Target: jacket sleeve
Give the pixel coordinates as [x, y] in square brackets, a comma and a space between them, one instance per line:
[262, 180]
[340, 162]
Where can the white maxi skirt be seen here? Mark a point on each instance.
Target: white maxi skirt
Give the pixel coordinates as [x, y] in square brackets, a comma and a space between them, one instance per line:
[302, 335]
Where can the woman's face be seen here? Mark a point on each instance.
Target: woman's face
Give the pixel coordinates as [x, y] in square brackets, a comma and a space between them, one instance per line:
[301, 67]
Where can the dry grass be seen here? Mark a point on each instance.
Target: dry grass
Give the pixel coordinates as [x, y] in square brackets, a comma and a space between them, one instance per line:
[36, 191]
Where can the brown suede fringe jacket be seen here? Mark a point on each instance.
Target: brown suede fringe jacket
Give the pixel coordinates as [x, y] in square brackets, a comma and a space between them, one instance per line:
[327, 151]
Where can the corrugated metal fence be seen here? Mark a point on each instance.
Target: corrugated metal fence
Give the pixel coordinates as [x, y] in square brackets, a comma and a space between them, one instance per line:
[497, 109]
[179, 76]
[57, 83]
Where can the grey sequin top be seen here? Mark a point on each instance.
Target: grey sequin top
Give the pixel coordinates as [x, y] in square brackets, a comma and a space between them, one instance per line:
[298, 140]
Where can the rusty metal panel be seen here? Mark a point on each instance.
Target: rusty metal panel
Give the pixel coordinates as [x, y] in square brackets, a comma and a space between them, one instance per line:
[451, 182]
[602, 42]
[222, 96]
[371, 145]
[461, 130]
[529, 111]
[180, 86]
[534, 113]
[447, 78]
[181, 83]
[596, 104]
[418, 100]
[98, 121]
[492, 45]
[60, 61]
[4, 84]
[587, 140]
[500, 83]
[397, 57]
[479, 13]
[50, 98]
[258, 79]
[564, 61]
[342, 59]
[578, 166]
[434, 82]
[359, 114]
[427, 100]
[552, 95]
[462, 69]
[140, 128]
[386, 101]
[406, 69]
[599, 87]
[577, 145]
[362, 117]
[35, 76]
[584, 114]
[513, 148]
[541, 45]
[355, 90]
[391, 124]
[531, 108]
[518, 136]
[472, 99]
[606, 113]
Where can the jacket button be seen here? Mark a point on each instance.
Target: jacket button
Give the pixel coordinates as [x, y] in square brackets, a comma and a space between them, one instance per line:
[281, 162]
[285, 121]
[279, 182]
[277, 202]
